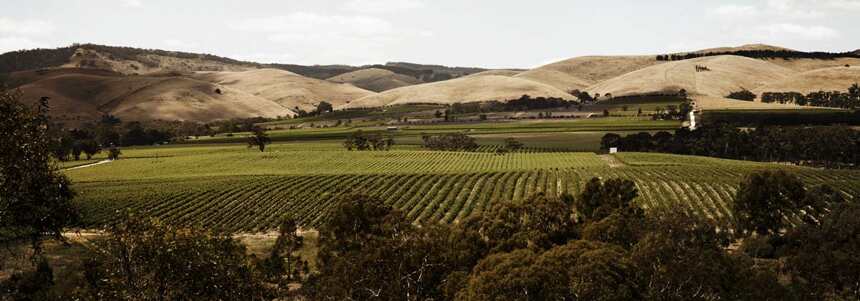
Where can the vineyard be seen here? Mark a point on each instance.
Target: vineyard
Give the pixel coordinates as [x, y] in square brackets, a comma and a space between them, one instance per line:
[223, 188]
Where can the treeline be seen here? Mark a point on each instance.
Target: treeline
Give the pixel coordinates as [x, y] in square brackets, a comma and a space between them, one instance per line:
[781, 117]
[90, 138]
[523, 103]
[368, 142]
[832, 99]
[449, 142]
[762, 54]
[828, 146]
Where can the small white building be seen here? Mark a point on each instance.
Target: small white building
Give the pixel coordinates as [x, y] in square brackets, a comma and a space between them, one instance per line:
[613, 150]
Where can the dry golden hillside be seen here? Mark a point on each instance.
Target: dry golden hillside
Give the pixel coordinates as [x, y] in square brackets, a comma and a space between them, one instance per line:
[746, 47]
[581, 72]
[286, 88]
[466, 89]
[502, 72]
[87, 96]
[827, 79]
[727, 73]
[180, 98]
[145, 64]
[803, 65]
[375, 79]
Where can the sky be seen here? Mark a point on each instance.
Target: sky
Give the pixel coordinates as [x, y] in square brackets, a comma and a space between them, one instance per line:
[479, 33]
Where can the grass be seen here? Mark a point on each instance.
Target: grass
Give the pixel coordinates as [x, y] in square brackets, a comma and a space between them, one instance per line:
[610, 124]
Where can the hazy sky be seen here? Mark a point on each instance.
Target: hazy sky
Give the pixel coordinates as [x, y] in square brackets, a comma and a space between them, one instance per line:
[491, 33]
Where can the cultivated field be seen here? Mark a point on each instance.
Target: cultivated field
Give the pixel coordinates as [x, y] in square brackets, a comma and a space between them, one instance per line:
[237, 189]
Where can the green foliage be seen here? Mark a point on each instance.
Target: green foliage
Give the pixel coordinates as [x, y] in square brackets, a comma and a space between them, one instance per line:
[35, 199]
[143, 259]
[743, 94]
[449, 142]
[30, 285]
[368, 250]
[599, 199]
[365, 142]
[114, 152]
[579, 270]
[283, 265]
[683, 258]
[766, 199]
[823, 256]
[539, 222]
[259, 138]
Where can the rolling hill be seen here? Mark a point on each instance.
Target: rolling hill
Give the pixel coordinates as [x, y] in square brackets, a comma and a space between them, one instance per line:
[288, 89]
[83, 96]
[466, 89]
[826, 79]
[375, 79]
[502, 72]
[727, 73]
[581, 72]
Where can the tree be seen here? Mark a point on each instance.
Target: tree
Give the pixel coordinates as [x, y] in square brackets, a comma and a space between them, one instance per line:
[578, 270]
[766, 199]
[610, 140]
[114, 152]
[144, 259]
[283, 264]
[370, 251]
[90, 148]
[324, 107]
[743, 94]
[438, 114]
[684, 258]
[599, 199]
[822, 256]
[35, 198]
[259, 138]
[540, 222]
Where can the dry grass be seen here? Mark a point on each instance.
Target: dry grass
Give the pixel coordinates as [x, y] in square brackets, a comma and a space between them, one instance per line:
[466, 89]
[88, 58]
[375, 79]
[581, 72]
[744, 47]
[500, 72]
[728, 73]
[803, 65]
[87, 96]
[827, 79]
[286, 88]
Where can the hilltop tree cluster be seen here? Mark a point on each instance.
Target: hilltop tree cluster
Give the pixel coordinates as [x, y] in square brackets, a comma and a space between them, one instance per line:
[829, 146]
[831, 99]
[762, 54]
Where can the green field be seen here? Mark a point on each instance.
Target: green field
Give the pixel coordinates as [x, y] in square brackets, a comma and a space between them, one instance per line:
[553, 129]
[234, 188]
